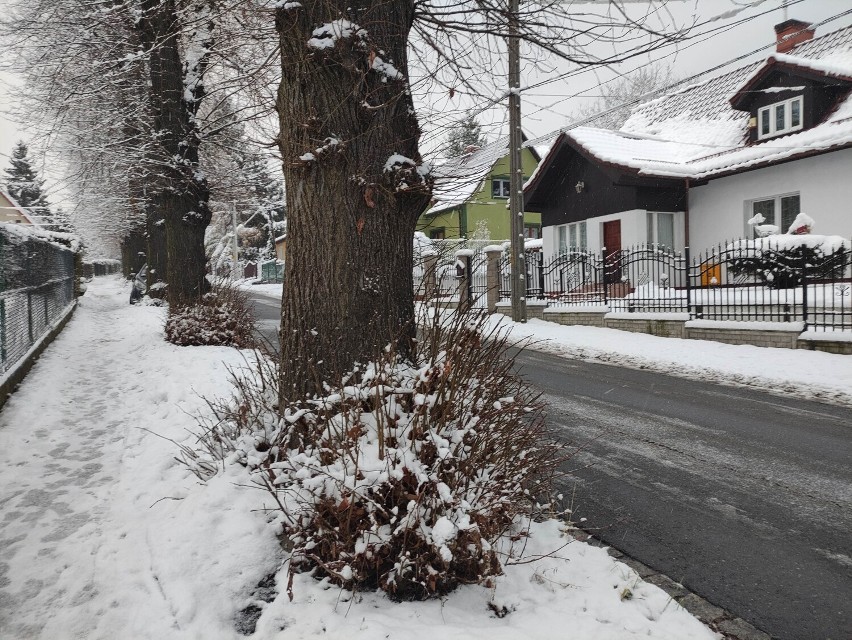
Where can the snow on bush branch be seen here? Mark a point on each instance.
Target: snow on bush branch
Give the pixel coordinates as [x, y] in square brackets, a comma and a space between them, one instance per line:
[403, 475]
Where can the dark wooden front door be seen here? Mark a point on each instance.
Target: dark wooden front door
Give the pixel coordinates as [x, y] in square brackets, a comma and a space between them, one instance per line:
[612, 242]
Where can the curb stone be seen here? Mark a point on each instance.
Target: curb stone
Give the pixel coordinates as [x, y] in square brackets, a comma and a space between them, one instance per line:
[717, 619]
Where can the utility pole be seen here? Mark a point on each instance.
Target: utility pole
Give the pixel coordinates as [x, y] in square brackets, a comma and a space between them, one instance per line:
[516, 172]
[236, 246]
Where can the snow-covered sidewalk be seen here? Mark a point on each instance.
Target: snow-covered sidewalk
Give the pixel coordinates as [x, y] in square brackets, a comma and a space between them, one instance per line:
[104, 534]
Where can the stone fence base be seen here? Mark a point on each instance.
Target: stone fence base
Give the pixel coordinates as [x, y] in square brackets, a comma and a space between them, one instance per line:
[784, 335]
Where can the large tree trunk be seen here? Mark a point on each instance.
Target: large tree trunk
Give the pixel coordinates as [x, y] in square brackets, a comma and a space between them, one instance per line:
[344, 114]
[157, 252]
[181, 194]
[133, 252]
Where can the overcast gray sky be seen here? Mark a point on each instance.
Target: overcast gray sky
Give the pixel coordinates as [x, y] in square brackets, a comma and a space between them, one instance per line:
[551, 106]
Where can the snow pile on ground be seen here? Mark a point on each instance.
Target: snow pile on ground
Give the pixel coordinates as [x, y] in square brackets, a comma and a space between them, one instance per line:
[572, 590]
[105, 535]
[791, 372]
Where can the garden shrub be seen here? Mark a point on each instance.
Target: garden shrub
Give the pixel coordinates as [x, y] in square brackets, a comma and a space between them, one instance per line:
[223, 317]
[780, 262]
[403, 475]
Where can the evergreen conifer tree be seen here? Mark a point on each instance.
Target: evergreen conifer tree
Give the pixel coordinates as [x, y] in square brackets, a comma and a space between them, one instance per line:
[25, 186]
[467, 132]
[266, 194]
[61, 222]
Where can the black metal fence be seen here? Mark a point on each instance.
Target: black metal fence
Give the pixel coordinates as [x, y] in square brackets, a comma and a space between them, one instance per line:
[36, 289]
[804, 279]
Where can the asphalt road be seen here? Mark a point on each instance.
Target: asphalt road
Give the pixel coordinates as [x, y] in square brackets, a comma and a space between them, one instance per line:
[742, 496]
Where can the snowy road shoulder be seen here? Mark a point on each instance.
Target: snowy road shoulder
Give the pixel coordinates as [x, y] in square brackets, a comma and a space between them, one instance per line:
[793, 372]
[105, 535]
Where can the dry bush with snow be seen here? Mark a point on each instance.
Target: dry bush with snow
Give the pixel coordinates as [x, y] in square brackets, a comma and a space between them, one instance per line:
[223, 317]
[404, 475]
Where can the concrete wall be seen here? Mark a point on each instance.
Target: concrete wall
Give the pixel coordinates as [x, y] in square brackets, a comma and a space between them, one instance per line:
[717, 210]
[776, 337]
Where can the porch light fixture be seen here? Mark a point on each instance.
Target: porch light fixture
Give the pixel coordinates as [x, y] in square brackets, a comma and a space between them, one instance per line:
[580, 186]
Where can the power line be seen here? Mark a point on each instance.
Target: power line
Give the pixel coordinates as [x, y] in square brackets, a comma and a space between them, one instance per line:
[663, 90]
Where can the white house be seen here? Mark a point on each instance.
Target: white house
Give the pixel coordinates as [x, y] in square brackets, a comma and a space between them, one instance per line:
[692, 167]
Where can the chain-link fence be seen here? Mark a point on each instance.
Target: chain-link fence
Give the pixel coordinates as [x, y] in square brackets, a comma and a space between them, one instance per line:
[36, 290]
[102, 267]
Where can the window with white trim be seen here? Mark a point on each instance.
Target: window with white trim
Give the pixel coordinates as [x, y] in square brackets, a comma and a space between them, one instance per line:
[780, 117]
[661, 229]
[776, 210]
[572, 237]
[500, 188]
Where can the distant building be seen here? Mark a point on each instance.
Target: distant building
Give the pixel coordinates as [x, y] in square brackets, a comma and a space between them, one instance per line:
[696, 166]
[11, 212]
[472, 192]
[281, 247]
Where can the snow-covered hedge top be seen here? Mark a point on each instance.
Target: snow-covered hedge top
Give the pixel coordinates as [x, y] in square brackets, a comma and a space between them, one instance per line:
[787, 241]
[68, 241]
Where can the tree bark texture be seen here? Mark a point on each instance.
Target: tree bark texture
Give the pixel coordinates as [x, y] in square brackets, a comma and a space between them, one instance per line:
[158, 261]
[181, 193]
[132, 245]
[355, 187]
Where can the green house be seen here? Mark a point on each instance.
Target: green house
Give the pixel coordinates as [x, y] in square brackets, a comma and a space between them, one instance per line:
[472, 195]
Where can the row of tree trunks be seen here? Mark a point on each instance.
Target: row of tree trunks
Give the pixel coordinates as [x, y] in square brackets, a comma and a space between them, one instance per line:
[345, 115]
[133, 252]
[178, 211]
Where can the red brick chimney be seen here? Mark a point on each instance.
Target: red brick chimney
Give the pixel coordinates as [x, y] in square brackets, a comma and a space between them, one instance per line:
[790, 33]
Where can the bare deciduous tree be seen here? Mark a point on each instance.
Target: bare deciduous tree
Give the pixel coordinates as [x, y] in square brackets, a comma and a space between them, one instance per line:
[619, 96]
[350, 147]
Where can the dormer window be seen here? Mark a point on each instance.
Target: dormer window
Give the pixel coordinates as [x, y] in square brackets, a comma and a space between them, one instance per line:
[500, 188]
[780, 117]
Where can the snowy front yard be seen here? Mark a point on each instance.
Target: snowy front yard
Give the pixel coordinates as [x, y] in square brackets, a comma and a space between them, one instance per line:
[105, 535]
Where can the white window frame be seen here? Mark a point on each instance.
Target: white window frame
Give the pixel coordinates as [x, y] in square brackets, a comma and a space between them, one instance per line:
[578, 231]
[505, 187]
[768, 113]
[776, 211]
[654, 228]
[561, 238]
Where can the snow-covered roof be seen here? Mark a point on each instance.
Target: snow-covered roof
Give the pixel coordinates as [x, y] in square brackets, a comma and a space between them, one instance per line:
[837, 65]
[15, 206]
[459, 178]
[696, 133]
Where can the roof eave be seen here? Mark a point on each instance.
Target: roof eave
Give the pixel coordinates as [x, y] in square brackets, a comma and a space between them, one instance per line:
[704, 178]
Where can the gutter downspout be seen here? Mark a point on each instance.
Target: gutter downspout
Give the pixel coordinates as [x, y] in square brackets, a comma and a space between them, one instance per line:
[686, 213]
